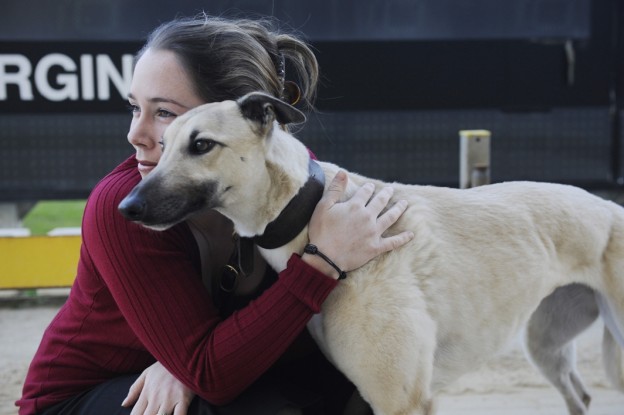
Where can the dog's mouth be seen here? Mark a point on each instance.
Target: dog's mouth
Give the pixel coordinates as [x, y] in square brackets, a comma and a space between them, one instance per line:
[160, 209]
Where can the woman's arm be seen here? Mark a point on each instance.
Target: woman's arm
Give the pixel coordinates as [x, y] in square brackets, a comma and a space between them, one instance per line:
[156, 284]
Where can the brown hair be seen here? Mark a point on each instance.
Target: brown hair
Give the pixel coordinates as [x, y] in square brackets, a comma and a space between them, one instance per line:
[228, 58]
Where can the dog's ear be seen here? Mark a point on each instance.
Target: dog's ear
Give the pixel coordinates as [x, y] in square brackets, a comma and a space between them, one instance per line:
[264, 108]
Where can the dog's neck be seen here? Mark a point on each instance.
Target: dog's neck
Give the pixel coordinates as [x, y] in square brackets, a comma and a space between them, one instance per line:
[297, 213]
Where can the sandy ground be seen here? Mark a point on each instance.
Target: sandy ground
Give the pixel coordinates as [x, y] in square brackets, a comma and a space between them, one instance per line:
[508, 385]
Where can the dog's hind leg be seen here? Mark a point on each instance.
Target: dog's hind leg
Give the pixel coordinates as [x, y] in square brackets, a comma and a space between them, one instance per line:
[612, 343]
[560, 317]
[613, 360]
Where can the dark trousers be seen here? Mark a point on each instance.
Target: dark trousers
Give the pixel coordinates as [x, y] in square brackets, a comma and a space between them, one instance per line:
[310, 384]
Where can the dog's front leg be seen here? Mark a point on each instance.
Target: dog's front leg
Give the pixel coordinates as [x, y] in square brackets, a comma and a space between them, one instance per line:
[385, 347]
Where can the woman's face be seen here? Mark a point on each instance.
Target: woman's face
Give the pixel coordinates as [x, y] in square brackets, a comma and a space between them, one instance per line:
[160, 91]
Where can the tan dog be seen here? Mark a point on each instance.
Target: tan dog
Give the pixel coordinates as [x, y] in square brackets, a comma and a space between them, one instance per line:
[415, 319]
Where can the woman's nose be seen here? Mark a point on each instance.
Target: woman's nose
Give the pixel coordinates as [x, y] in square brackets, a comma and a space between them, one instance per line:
[142, 133]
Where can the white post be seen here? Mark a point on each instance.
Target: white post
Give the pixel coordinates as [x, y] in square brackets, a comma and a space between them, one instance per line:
[9, 216]
[12, 213]
[474, 158]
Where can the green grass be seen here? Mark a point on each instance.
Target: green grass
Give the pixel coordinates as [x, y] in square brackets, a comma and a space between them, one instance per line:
[48, 215]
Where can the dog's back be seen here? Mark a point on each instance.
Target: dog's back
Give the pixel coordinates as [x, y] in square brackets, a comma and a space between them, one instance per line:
[480, 264]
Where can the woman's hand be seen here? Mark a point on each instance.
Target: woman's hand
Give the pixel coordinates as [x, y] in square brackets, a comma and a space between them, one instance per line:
[350, 232]
[157, 391]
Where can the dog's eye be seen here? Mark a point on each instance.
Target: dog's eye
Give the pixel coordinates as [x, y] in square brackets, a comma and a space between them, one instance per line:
[202, 146]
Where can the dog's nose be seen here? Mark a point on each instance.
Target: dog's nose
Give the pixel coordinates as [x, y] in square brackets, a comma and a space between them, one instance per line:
[133, 208]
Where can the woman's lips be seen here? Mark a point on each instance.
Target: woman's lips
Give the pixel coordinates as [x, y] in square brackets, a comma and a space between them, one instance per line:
[146, 166]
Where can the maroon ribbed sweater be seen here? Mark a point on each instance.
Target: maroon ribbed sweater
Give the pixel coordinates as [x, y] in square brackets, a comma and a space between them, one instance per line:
[138, 297]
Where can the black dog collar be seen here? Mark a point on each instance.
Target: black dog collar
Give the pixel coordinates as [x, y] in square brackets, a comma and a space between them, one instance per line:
[297, 213]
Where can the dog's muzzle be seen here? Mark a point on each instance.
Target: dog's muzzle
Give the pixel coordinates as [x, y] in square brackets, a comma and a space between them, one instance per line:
[133, 207]
[161, 207]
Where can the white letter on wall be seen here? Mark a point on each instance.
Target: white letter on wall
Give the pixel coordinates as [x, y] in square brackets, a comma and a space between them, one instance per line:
[19, 78]
[87, 83]
[68, 82]
[106, 72]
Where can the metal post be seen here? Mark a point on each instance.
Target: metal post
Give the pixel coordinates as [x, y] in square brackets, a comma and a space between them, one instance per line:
[474, 158]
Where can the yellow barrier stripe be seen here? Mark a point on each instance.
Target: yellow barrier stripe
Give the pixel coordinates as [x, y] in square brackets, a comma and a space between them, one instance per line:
[38, 261]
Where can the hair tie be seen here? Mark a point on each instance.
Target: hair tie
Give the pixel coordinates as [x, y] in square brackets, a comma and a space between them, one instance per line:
[292, 92]
[281, 67]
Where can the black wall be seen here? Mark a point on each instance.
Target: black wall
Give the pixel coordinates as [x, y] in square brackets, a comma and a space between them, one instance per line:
[400, 79]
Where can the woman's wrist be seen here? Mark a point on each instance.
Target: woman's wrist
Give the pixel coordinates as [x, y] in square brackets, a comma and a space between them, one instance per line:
[313, 250]
[320, 265]
[306, 282]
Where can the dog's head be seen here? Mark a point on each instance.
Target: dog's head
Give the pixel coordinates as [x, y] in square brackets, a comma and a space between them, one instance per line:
[216, 156]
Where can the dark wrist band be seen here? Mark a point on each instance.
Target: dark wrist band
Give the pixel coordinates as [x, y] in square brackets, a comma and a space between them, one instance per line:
[312, 249]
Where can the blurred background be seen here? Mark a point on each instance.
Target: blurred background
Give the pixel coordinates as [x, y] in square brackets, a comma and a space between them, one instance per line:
[400, 78]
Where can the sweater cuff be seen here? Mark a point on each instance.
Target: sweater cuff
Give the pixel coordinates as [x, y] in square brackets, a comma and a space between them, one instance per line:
[310, 286]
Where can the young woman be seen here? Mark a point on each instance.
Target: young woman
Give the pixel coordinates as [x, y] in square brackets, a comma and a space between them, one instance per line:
[145, 324]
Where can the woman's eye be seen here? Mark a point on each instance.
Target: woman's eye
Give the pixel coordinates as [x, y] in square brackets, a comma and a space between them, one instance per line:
[202, 146]
[133, 108]
[165, 114]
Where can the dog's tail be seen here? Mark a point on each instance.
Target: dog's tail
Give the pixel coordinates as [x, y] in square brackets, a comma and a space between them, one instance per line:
[612, 343]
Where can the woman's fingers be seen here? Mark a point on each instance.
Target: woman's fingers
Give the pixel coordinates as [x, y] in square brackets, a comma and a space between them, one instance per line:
[181, 408]
[380, 200]
[335, 190]
[135, 391]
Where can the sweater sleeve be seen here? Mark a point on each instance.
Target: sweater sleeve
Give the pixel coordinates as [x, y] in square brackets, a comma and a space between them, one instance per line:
[156, 285]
